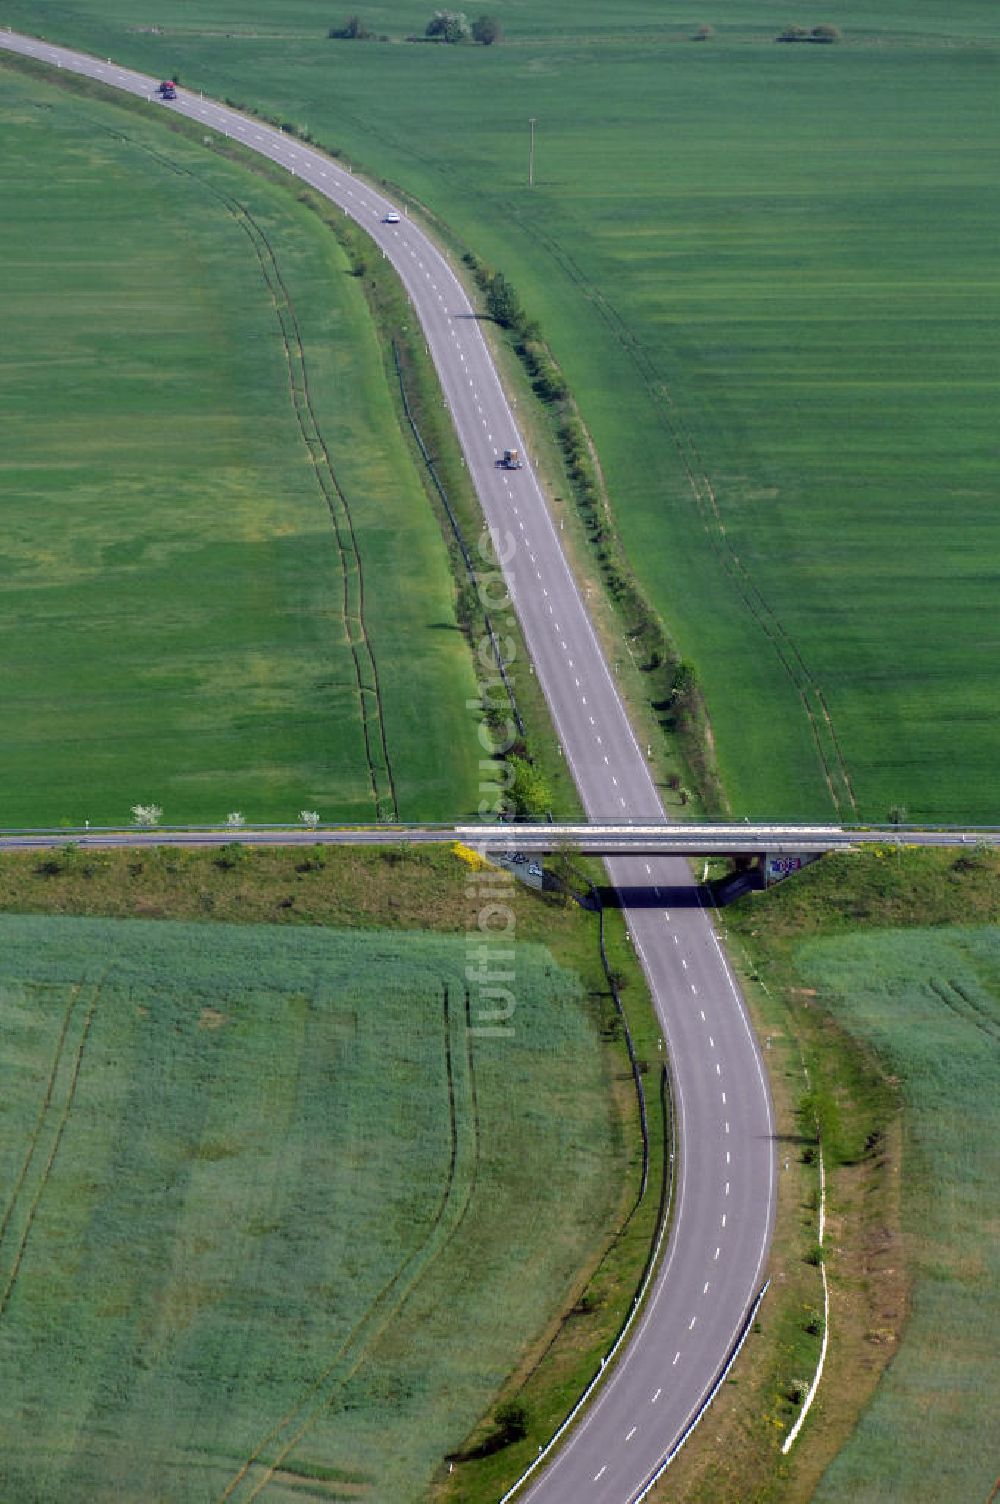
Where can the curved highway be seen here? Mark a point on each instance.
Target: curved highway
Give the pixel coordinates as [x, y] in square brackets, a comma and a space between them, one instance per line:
[725, 1180]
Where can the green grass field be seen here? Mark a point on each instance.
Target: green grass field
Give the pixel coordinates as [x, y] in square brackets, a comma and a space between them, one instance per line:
[201, 473]
[273, 1217]
[769, 274]
[882, 973]
[929, 1003]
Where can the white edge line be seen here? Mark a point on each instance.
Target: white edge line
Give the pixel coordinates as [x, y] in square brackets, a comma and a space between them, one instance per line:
[655, 1477]
[789, 1441]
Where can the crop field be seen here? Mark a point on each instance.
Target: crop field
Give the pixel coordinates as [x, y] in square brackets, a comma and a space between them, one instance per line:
[221, 584]
[768, 272]
[929, 1003]
[260, 1186]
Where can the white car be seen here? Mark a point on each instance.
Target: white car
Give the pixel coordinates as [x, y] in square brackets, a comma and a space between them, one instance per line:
[392, 218]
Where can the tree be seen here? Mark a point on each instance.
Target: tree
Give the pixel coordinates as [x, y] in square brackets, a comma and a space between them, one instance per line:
[824, 34]
[703, 33]
[502, 302]
[684, 695]
[146, 814]
[486, 30]
[449, 26]
[309, 818]
[528, 790]
[353, 30]
[512, 1420]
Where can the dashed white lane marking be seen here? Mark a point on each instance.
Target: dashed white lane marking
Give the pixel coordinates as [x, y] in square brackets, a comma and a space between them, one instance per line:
[599, 739]
[614, 780]
[717, 1252]
[649, 870]
[584, 700]
[605, 757]
[676, 938]
[727, 1130]
[723, 1099]
[727, 1187]
[728, 1157]
[684, 963]
[677, 1358]
[705, 1290]
[694, 989]
[592, 721]
[723, 1219]
[718, 1069]
[711, 1041]
[656, 1396]
[598, 1476]
[691, 1323]
[702, 1012]
[630, 1434]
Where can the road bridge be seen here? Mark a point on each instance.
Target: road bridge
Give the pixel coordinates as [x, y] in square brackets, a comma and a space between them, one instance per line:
[648, 838]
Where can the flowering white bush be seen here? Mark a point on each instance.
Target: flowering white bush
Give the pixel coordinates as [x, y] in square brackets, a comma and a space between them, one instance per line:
[146, 814]
[309, 818]
[235, 820]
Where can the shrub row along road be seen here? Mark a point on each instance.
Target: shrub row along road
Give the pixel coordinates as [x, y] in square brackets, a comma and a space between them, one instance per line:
[725, 1182]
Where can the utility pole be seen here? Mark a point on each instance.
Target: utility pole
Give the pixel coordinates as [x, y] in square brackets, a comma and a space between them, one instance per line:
[531, 154]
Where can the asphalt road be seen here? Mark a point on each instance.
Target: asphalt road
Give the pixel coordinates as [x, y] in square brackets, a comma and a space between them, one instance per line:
[725, 1174]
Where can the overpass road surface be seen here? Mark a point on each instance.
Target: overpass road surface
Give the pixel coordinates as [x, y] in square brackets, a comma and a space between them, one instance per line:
[725, 1172]
[594, 839]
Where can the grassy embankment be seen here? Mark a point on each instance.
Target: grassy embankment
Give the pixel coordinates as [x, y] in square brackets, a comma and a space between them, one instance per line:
[223, 586]
[553, 1348]
[880, 974]
[765, 272]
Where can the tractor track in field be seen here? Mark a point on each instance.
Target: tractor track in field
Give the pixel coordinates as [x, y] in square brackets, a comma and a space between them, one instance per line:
[386, 805]
[355, 626]
[60, 1130]
[321, 1394]
[42, 1113]
[968, 1011]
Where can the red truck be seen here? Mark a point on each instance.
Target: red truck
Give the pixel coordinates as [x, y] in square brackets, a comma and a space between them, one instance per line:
[167, 90]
